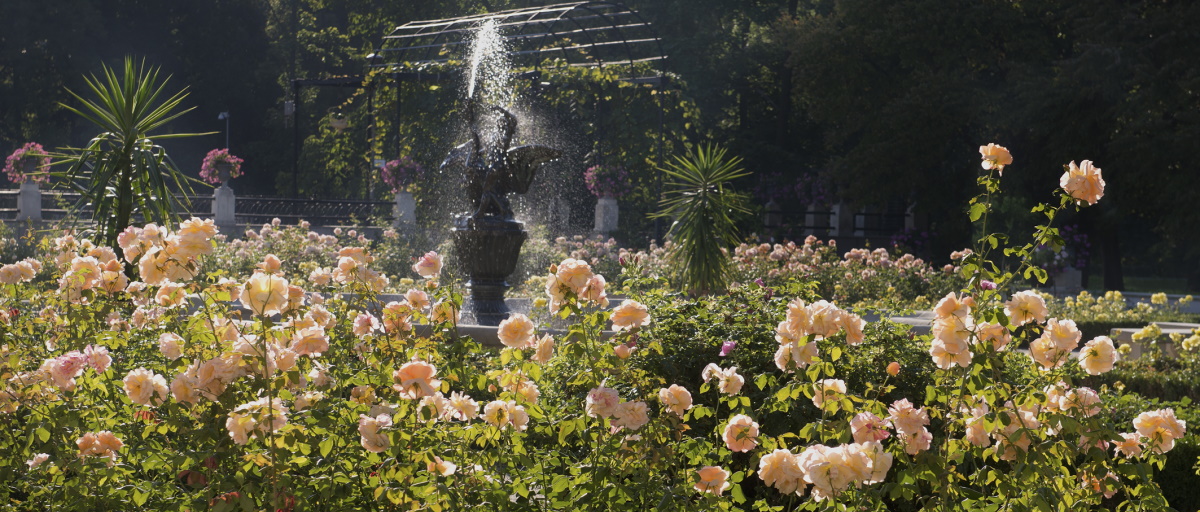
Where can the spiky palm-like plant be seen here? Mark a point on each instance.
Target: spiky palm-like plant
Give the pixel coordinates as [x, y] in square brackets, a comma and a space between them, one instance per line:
[122, 172]
[705, 210]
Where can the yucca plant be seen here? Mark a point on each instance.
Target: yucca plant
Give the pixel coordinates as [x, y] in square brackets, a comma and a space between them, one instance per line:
[122, 172]
[705, 210]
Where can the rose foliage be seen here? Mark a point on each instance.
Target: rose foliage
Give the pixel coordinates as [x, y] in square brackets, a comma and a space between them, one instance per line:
[145, 380]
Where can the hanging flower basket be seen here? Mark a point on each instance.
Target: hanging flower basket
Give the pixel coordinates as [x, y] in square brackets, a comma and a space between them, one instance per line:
[28, 163]
[219, 167]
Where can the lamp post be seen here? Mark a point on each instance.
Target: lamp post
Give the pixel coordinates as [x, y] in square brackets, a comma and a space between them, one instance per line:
[225, 116]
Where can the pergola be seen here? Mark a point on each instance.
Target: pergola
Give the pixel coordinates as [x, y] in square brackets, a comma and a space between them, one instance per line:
[589, 34]
[580, 34]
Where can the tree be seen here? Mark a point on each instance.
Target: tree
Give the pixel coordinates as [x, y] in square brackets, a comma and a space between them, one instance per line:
[122, 172]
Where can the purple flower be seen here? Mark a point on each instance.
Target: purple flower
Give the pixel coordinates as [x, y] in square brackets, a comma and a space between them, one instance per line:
[727, 347]
[987, 285]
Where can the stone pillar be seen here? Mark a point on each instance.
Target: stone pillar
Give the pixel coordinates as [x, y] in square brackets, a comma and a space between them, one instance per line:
[224, 208]
[606, 215]
[405, 211]
[842, 220]
[29, 201]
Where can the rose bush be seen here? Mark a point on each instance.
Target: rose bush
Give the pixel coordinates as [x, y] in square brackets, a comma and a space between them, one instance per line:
[148, 379]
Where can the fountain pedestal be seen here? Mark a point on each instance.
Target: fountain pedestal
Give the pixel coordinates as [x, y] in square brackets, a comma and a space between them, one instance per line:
[488, 249]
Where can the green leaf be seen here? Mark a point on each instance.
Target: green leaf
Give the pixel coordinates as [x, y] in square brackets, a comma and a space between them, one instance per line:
[43, 435]
[977, 211]
[139, 497]
[326, 446]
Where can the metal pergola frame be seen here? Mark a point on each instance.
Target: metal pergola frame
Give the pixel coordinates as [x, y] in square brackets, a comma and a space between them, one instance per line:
[589, 34]
[607, 35]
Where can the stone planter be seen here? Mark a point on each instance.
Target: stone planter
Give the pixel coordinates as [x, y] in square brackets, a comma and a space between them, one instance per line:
[488, 249]
[607, 214]
[405, 211]
[224, 171]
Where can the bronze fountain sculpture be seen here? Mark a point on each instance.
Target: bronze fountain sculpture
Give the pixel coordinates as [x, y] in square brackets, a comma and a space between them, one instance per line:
[488, 240]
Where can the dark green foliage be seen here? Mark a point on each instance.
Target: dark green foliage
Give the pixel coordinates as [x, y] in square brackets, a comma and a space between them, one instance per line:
[704, 210]
[121, 173]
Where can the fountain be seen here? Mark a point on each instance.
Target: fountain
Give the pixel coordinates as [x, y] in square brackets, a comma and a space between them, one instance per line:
[488, 239]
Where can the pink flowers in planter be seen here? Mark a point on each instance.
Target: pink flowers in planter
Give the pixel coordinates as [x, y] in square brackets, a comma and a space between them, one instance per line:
[216, 161]
[28, 163]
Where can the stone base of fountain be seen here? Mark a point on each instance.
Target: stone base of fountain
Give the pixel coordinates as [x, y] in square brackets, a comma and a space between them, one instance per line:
[488, 249]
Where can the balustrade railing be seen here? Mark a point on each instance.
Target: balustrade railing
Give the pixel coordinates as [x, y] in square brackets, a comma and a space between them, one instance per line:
[248, 210]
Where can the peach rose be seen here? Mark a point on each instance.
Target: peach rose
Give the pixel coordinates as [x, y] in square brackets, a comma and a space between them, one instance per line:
[365, 323]
[853, 325]
[866, 427]
[602, 402]
[917, 443]
[1161, 428]
[544, 350]
[728, 380]
[396, 317]
[418, 299]
[265, 294]
[828, 390]
[631, 415]
[906, 418]
[893, 368]
[995, 333]
[1129, 446]
[170, 345]
[779, 469]
[995, 157]
[415, 379]
[495, 413]
[630, 315]
[790, 356]
[311, 342]
[1098, 355]
[824, 319]
[676, 399]
[516, 331]
[574, 273]
[741, 434]
[141, 385]
[953, 305]
[1024, 307]
[429, 265]
[368, 428]
[444, 311]
[713, 480]
[462, 407]
[1083, 182]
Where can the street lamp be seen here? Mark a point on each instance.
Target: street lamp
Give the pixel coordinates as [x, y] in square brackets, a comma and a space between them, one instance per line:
[225, 116]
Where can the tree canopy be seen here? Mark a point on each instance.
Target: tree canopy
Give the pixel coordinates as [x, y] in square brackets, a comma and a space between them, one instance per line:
[871, 101]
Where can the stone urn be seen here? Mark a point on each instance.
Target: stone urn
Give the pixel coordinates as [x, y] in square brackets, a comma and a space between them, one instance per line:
[224, 171]
[607, 214]
[488, 249]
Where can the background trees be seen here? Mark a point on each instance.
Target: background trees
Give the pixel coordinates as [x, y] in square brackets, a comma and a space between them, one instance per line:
[873, 101]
